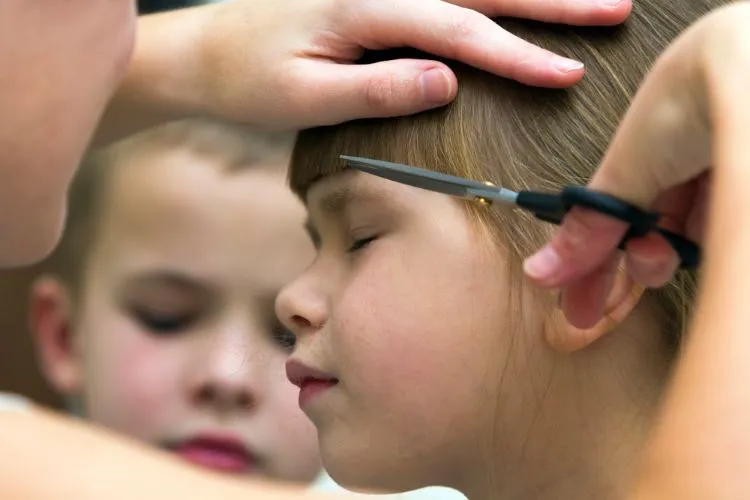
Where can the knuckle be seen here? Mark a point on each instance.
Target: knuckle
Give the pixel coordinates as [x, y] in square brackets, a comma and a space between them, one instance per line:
[463, 26]
[524, 56]
[586, 233]
[380, 93]
[568, 12]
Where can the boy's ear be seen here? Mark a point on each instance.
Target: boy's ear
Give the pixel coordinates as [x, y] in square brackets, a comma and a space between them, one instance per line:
[50, 325]
[621, 301]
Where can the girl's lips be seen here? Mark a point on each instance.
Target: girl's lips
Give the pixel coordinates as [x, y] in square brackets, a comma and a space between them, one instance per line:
[311, 381]
[311, 388]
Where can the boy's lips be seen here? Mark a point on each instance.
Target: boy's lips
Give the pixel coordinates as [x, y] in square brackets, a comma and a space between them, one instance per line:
[222, 452]
[311, 382]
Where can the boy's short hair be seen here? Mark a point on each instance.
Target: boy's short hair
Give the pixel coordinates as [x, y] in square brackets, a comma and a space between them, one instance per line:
[234, 145]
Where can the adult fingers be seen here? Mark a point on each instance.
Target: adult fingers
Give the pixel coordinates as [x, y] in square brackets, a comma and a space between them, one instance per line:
[573, 12]
[460, 34]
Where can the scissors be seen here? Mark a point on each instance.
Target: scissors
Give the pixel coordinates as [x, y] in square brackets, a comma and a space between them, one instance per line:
[549, 207]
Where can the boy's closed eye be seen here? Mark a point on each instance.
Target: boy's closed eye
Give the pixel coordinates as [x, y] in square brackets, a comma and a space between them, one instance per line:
[163, 322]
[165, 303]
[283, 337]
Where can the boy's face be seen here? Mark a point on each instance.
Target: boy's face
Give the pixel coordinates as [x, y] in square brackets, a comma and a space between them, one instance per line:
[176, 341]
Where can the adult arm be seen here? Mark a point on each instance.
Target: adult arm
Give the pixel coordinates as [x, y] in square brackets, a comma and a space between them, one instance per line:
[682, 149]
[47, 457]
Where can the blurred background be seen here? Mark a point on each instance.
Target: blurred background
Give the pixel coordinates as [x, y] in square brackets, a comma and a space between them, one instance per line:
[18, 367]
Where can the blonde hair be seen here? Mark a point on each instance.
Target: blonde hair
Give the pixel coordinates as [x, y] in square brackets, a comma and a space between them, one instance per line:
[521, 137]
[234, 145]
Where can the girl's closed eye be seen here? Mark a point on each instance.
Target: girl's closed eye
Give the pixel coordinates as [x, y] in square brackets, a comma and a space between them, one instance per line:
[361, 243]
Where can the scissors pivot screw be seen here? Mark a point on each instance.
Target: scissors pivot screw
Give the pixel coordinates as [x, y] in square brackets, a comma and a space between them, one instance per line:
[482, 200]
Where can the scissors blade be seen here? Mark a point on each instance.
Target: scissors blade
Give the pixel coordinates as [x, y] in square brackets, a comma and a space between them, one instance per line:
[429, 180]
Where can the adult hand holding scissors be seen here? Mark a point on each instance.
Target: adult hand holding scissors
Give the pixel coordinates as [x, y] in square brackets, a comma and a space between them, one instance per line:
[686, 125]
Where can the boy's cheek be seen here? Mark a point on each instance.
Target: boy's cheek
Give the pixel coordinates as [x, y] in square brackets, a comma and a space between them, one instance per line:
[133, 387]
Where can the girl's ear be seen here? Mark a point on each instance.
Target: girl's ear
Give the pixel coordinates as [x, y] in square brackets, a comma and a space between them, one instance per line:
[621, 301]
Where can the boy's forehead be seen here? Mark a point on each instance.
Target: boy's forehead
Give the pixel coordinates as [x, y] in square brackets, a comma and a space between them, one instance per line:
[230, 236]
[180, 200]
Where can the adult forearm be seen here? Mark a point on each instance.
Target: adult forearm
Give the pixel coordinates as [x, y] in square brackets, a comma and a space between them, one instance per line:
[702, 442]
[164, 79]
[48, 457]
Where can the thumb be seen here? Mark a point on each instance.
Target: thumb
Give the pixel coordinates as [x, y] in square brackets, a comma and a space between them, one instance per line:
[382, 89]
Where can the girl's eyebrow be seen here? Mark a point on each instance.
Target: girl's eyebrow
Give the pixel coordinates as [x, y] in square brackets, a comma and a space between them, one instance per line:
[333, 204]
[337, 200]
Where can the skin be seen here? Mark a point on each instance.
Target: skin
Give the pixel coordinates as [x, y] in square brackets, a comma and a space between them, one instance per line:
[74, 73]
[173, 333]
[669, 472]
[91, 89]
[684, 459]
[57, 78]
[444, 374]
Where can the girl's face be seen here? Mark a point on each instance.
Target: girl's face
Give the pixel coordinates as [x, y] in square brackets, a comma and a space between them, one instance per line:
[407, 308]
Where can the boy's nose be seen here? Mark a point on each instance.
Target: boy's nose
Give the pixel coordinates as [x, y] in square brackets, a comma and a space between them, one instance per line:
[230, 373]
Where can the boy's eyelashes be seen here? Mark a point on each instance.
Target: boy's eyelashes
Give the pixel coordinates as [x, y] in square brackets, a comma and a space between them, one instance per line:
[174, 323]
[283, 337]
[162, 322]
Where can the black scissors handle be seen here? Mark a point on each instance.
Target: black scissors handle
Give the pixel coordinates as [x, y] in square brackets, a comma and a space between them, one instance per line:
[553, 208]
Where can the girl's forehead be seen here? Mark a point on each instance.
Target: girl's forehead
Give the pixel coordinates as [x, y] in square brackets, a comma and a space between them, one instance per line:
[333, 195]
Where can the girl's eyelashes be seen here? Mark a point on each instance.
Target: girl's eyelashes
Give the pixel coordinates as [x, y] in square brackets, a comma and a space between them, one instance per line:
[361, 243]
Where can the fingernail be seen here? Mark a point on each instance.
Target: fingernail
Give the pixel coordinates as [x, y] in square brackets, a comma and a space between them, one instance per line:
[542, 264]
[567, 65]
[610, 3]
[436, 86]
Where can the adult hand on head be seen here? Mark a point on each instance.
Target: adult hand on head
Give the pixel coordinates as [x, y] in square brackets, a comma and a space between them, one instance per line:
[688, 121]
[288, 65]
